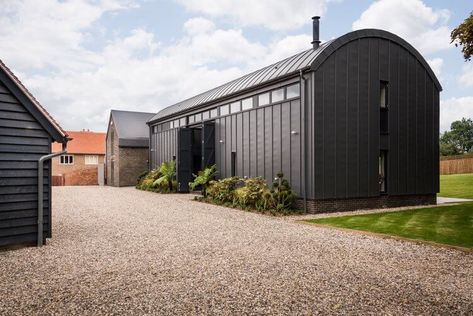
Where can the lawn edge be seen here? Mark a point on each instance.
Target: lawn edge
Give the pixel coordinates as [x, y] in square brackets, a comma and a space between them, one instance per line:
[387, 236]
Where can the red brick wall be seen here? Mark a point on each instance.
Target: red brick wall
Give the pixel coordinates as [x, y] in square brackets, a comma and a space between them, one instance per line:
[78, 173]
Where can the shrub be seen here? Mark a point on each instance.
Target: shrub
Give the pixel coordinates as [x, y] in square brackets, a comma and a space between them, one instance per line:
[283, 196]
[250, 194]
[203, 178]
[253, 193]
[221, 191]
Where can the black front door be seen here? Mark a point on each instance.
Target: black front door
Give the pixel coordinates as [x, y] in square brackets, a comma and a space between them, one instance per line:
[184, 159]
[208, 144]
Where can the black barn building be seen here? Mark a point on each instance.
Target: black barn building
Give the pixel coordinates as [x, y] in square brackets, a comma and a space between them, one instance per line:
[352, 123]
[26, 134]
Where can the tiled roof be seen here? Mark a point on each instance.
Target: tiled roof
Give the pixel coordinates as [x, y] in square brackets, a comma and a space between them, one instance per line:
[285, 67]
[84, 142]
[32, 99]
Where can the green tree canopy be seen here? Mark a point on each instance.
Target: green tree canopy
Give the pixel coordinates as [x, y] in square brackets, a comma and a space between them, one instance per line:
[463, 35]
[459, 140]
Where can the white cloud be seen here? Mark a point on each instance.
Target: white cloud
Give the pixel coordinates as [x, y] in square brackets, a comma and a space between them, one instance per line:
[466, 78]
[454, 109]
[436, 65]
[79, 85]
[275, 15]
[422, 26]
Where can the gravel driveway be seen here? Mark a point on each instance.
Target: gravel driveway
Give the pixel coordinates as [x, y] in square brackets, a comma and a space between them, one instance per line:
[124, 251]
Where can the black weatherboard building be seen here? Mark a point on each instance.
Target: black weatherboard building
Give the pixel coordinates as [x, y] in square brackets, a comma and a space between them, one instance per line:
[352, 123]
[26, 134]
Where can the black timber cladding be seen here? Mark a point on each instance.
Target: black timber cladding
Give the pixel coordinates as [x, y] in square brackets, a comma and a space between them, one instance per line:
[22, 142]
[26, 133]
[341, 108]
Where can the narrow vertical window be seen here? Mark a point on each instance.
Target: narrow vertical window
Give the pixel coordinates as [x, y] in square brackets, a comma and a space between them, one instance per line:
[383, 94]
[383, 107]
[233, 164]
[383, 171]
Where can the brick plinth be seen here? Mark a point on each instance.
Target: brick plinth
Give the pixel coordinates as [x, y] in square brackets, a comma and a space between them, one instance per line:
[383, 201]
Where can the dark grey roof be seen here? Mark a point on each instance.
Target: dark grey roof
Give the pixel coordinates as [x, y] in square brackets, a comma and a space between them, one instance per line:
[131, 128]
[288, 66]
[307, 59]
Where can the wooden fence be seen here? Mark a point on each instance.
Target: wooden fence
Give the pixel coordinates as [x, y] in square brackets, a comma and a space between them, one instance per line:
[456, 164]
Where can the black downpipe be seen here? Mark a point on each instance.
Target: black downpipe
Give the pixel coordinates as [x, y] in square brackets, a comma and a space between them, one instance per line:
[304, 154]
[41, 161]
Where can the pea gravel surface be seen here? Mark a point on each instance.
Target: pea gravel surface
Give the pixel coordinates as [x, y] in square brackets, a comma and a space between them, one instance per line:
[127, 252]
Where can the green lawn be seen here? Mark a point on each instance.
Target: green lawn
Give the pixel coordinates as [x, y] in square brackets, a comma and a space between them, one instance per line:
[451, 225]
[457, 185]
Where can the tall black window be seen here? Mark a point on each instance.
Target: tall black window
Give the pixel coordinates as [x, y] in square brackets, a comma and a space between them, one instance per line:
[383, 164]
[383, 106]
[233, 164]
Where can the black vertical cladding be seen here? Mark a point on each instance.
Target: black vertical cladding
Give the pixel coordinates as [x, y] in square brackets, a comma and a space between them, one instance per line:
[228, 144]
[393, 112]
[239, 144]
[319, 131]
[276, 155]
[347, 126]
[436, 156]
[363, 116]
[374, 124]
[295, 146]
[268, 144]
[246, 143]
[411, 124]
[402, 129]
[286, 140]
[421, 159]
[341, 122]
[330, 127]
[253, 134]
[352, 120]
[260, 142]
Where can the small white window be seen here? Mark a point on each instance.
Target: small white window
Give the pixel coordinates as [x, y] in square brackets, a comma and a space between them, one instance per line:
[205, 115]
[198, 117]
[293, 91]
[224, 110]
[277, 95]
[183, 122]
[91, 159]
[263, 99]
[235, 107]
[66, 160]
[213, 113]
[247, 104]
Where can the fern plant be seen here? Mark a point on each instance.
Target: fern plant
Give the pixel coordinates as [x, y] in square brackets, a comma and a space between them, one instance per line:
[167, 172]
[203, 179]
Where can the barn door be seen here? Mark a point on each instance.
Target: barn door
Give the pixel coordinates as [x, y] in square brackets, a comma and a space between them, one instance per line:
[184, 159]
[208, 144]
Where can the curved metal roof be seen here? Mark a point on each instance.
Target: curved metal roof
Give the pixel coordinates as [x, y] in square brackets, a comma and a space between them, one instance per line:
[307, 59]
[290, 65]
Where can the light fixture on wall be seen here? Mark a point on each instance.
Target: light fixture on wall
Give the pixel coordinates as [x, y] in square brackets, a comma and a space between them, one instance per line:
[221, 141]
[294, 133]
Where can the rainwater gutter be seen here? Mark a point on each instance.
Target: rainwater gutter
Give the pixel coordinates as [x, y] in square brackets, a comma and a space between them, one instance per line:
[304, 154]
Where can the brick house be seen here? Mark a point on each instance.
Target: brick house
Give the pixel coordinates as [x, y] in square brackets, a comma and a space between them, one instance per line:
[127, 146]
[80, 166]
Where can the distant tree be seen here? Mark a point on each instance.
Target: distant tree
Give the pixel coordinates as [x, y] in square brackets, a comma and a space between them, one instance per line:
[459, 140]
[463, 35]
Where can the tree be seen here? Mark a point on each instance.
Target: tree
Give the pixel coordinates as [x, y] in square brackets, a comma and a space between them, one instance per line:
[463, 35]
[459, 140]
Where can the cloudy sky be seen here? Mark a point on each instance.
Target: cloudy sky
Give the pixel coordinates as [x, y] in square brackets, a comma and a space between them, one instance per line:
[81, 58]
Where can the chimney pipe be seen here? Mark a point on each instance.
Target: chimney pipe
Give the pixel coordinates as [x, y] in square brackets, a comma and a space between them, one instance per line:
[315, 32]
